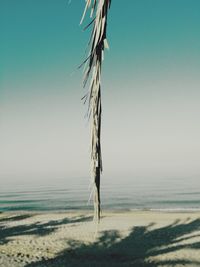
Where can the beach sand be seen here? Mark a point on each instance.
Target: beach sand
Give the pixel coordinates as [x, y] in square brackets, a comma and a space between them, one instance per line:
[139, 238]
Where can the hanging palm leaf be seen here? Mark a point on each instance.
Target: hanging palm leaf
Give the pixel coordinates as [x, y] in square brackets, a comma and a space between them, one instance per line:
[93, 63]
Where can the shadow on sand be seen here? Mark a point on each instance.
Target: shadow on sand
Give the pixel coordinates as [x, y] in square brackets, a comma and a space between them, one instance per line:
[134, 250]
[15, 218]
[37, 228]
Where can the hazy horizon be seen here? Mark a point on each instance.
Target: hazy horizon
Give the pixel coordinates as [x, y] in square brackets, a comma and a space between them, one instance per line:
[150, 87]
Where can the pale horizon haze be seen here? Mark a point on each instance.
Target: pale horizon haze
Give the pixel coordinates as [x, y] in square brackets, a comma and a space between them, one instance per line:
[150, 87]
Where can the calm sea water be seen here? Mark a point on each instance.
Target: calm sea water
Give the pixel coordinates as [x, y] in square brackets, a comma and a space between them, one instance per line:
[123, 193]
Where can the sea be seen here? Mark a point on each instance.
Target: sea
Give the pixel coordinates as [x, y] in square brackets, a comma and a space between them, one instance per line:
[117, 193]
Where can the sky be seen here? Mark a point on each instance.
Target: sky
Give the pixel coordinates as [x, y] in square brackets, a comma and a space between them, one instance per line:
[150, 90]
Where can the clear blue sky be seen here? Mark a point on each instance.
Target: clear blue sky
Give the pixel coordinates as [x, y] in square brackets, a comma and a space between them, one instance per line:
[150, 88]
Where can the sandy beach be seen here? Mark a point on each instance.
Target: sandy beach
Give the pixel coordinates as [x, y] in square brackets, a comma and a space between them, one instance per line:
[141, 238]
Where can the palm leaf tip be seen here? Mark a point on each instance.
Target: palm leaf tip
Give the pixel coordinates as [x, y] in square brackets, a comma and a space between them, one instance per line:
[97, 44]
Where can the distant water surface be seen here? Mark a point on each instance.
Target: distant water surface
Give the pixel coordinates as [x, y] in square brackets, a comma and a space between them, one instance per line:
[123, 193]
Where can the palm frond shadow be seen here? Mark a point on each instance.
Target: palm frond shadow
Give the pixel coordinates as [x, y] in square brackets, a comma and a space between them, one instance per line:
[15, 218]
[37, 228]
[111, 249]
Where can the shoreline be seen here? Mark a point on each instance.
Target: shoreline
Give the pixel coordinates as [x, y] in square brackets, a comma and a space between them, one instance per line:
[131, 210]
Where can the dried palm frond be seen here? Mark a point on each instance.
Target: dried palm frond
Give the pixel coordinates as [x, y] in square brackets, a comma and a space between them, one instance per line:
[93, 63]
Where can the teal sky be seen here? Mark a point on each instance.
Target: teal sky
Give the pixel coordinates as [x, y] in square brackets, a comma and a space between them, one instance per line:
[151, 104]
